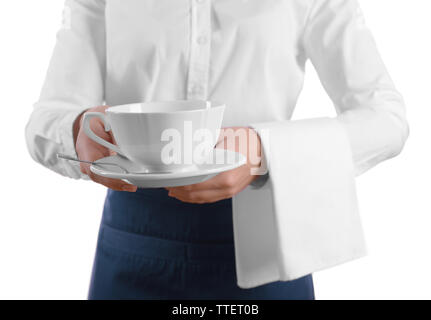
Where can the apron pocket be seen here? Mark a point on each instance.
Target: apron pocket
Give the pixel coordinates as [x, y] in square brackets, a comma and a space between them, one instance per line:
[130, 264]
[141, 246]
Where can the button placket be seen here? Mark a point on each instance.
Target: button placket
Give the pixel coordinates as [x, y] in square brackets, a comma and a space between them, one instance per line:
[197, 87]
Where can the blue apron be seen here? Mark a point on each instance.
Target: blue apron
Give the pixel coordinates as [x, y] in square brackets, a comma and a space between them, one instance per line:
[151, 246]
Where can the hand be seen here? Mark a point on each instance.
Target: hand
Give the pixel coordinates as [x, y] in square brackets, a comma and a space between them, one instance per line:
[89, 150]
[226, 184]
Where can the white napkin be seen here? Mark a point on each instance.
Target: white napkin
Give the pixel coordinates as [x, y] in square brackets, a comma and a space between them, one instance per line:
[305, 218]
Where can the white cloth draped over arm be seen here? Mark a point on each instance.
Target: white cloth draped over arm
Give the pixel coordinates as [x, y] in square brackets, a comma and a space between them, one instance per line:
[312, 222]
[74, 82]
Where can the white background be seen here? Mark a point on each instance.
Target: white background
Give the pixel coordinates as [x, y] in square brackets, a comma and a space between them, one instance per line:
[48, 224]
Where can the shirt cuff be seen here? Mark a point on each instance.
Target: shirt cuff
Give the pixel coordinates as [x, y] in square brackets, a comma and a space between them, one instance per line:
[68, 142]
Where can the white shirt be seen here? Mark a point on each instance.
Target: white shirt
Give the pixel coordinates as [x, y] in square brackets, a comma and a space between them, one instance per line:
[251, 55]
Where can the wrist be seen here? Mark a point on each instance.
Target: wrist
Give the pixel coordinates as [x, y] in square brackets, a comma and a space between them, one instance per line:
[254, 149]
[77, 126]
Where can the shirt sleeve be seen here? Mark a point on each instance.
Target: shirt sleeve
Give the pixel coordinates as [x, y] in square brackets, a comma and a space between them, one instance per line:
[369, 107]
[345, 56]
[74, 83]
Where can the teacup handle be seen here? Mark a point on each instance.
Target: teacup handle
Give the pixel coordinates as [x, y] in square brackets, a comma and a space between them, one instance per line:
[86, 124]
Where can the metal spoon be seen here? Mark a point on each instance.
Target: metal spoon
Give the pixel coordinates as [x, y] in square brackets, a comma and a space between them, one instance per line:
[66, 157]
[98, 163]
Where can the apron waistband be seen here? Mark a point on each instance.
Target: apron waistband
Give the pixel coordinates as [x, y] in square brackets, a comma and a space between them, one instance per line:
[151, 212]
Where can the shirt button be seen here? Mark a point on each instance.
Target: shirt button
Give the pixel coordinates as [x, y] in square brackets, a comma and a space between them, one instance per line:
[202, 40]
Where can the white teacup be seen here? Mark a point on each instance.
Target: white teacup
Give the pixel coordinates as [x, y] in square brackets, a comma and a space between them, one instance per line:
[161, 136]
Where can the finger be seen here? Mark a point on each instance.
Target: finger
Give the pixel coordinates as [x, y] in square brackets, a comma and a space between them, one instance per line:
[92, 155]
[224, 192]
[114, 184]
[206, 185]
[207, 196]
[221, 181]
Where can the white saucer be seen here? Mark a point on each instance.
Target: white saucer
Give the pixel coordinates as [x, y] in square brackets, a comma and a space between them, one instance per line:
[197, 174]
